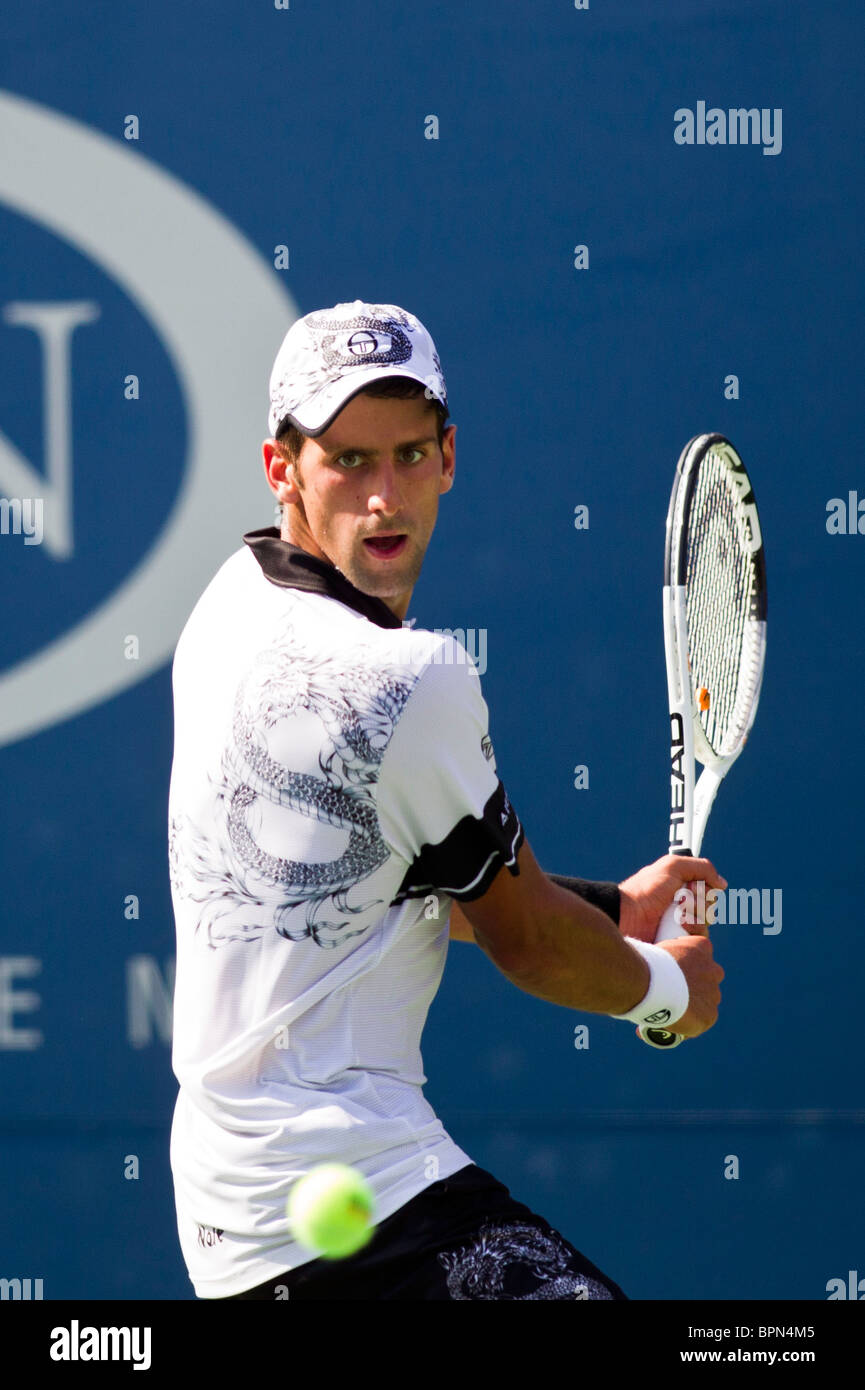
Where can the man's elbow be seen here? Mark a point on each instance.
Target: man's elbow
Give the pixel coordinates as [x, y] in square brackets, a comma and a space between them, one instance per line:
[461, 928]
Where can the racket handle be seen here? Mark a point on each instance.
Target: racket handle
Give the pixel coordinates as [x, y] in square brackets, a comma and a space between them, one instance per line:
[669, 925]
[667, 929]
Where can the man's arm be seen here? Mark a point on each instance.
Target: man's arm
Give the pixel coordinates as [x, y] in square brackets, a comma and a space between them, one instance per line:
[553, 944]
[460, 926]
[637, 904]
[604, 895]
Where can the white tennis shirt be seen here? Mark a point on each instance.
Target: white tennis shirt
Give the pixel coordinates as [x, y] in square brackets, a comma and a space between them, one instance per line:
[333, 788]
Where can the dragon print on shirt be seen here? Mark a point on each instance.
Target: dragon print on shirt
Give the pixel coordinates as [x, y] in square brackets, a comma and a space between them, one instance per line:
[358, 703]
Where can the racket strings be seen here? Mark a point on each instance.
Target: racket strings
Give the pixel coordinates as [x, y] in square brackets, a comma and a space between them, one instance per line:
[720, 582]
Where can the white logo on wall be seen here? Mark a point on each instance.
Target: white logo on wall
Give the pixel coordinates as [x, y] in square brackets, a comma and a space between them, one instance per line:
[221, 315]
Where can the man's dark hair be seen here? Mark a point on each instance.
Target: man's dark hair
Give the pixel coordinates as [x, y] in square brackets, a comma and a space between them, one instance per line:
[402, 388]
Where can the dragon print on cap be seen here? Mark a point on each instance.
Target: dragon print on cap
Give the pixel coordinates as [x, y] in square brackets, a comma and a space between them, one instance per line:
[340, 347]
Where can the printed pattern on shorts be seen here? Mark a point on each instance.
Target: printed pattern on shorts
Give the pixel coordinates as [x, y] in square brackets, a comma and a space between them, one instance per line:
[502, 1256]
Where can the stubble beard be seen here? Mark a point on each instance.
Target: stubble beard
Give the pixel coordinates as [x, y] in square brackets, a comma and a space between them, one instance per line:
[382, 583]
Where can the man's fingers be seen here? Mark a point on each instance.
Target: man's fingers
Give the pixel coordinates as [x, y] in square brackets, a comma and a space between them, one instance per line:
[696, 913]
[695, 928]
[689, 870]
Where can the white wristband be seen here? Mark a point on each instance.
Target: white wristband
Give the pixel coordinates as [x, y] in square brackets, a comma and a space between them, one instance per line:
[668, 995]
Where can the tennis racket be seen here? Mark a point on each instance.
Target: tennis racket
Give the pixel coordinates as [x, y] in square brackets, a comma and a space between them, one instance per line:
[714, 640]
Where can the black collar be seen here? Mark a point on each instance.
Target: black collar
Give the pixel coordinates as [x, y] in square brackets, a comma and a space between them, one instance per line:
[290, 567]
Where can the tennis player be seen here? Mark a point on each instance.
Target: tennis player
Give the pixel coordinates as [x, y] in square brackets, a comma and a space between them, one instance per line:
[335, 815]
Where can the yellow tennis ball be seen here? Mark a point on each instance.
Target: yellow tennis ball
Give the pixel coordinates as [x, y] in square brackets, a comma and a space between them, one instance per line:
[331, 1209]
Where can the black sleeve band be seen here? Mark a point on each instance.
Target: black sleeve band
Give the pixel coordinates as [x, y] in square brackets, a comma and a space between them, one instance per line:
[467, 860]
[603, 895]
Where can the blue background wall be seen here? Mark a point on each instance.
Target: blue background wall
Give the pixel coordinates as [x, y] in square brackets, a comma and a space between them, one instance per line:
[305, 127]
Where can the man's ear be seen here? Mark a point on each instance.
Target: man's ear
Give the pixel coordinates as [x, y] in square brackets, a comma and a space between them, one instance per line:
[448, 458]
[279, 472]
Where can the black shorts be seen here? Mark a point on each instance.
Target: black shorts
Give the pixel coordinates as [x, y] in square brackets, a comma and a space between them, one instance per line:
[464, 1237]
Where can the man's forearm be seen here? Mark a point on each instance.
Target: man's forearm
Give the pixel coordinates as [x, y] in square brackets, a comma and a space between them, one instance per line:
[579, 959]
[606, 896]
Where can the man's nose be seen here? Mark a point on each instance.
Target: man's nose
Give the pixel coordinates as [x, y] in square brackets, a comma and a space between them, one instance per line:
[385, 495]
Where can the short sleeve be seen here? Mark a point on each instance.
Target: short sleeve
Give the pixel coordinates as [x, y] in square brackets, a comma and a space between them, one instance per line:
[441, 804]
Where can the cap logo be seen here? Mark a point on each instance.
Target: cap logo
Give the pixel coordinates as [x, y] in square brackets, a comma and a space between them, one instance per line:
[363, 339]
[361, 344]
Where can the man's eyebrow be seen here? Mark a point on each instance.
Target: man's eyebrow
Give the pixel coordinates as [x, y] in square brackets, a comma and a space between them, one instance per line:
[370, 453]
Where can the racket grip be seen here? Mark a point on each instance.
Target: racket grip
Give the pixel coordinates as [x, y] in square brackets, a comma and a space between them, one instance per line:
[668, 927]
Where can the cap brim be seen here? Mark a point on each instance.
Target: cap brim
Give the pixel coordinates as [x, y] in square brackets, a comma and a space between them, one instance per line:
[319, 414]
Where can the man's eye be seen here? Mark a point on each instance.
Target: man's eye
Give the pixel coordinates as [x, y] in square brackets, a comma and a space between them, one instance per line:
[345, 460]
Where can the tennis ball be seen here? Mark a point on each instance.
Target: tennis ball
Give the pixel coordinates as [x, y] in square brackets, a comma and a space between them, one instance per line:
[331, 1209]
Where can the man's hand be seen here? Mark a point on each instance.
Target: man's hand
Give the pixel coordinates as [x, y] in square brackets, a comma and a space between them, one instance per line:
[704, 976]
[646, 895]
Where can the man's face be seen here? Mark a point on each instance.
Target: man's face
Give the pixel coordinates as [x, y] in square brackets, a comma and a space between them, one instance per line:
[377, 471]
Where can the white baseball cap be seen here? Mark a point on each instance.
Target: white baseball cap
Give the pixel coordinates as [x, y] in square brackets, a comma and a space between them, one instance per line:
[331, 354]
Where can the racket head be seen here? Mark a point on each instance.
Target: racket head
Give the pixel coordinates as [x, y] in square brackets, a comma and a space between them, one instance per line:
[715, 607]
[714, 550]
